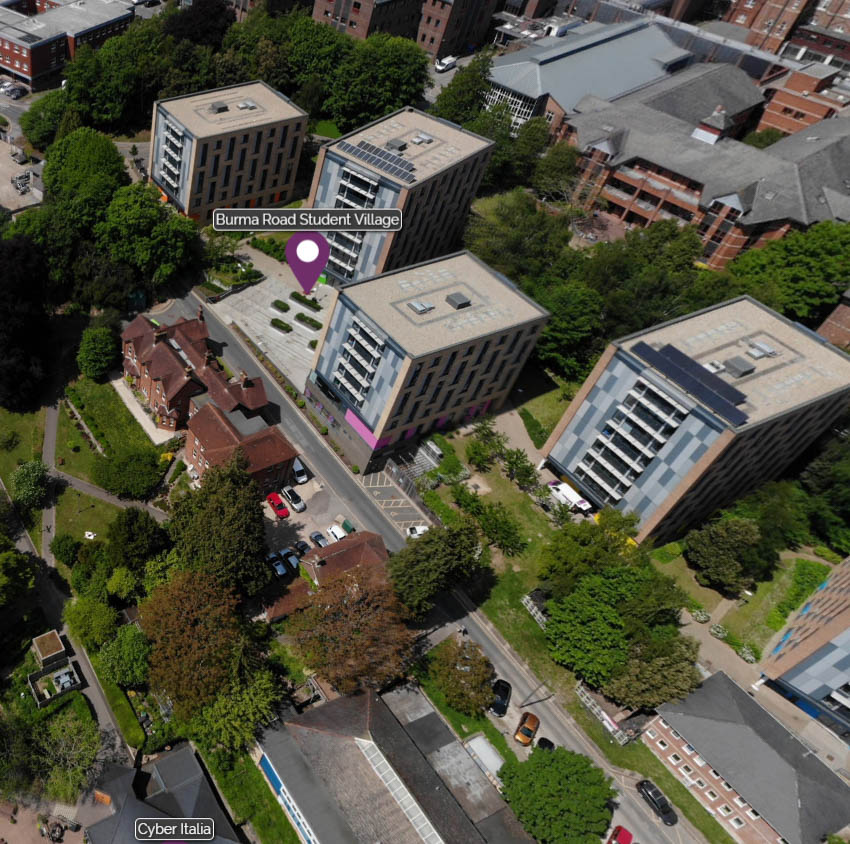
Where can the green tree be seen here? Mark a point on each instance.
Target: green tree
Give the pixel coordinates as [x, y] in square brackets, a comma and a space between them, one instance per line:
[647, 683]
[438, 560]
[230, 723]
[530, 142]
[161, 568]
[125, 658]
[559, 796]
[381, 74]
[67, 747]
[41, 120]
[464, 675]
[91, 621]
[479, 455]
[826, 481]
[719, 550]
[97, 353]
[134, 537]
[146, 234]
[122, 583]
[64, 548]
[17, 575]
[192, 624]
[133, 473]
[464, 98]
[219, 248]
[555, 173]
[29, 484]
[496, 124]
[219, 528]
[520, 468]
[764, 138]
[83, 159]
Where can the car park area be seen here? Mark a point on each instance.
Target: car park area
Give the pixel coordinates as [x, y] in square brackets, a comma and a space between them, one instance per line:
[15, 185]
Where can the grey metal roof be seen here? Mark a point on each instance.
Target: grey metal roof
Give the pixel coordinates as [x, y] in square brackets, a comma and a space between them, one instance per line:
[783, 182]
[608, 61]
[775, 773]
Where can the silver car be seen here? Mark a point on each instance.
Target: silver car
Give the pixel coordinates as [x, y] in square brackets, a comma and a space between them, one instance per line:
[294, 499]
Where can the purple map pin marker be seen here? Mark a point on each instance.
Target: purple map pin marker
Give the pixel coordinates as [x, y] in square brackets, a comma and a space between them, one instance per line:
[307, 253]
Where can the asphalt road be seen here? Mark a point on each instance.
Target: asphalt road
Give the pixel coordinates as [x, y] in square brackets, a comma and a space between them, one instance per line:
[320, 459]
[529, 694]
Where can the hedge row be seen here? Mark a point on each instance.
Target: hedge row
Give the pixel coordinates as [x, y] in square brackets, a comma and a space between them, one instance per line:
[535, 430]
[280, 325]
[308, 302]
[280, 305]
[309, 321]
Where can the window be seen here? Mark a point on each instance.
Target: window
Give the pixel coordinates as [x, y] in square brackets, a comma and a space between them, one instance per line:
[230, 145]
[725, 810]
[711, 794]
[736, 822]
[726, 785]
[675, 734]
[663, 722]
[752, 813]
[739, 801]
[689, 749]
[699, 783]
[675, 758]
[715, 774]
[686, 769]
[651, 733]
[662, 744]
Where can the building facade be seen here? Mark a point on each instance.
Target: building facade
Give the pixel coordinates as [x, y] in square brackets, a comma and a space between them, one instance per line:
[428, 168]
[770, 22]
[232, 147]
[800, 98]
[811, 662]
[679, 420]
[454, 27]
[420, 349]
[360, 18]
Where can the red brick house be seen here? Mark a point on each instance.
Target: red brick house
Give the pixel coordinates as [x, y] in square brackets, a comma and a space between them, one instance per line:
[364, 549]
[169, 364]
[212, 439]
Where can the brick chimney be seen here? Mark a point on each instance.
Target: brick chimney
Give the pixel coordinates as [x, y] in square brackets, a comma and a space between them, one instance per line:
[160, 333]
[243, 377]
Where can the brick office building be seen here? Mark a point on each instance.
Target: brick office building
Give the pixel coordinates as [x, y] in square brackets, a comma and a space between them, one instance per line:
[454, 27]
[360, 18]
[798, 99]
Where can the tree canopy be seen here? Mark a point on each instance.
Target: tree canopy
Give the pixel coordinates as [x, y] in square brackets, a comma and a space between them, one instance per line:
[93, 621]
[463, 99]
[17, 574]
[125, 658]
[134, 537]
[464, 675]
[29, 484]
[97, 353]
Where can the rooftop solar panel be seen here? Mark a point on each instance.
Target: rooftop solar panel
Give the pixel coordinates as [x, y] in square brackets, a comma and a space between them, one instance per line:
[689, 365]
[695, 386]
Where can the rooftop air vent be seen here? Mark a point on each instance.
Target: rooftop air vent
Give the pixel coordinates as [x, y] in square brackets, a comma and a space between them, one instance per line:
[420, 307]
[396, 145]
[714, 366]
[755, 354]
[739, 367]
[458, 300]
[246, 104]
[218, 107]
[764, 347]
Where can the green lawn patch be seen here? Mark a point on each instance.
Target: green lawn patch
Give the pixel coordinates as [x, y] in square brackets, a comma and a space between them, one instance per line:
[827, 554]
[3, 121]
[638, 757]
[327, 129]
[464, 725]
[284, 659]
[211, 289]
[77, 512]
[120, 706]
[29, 432]
[667, 553]
[808, 575]
[74, 455]
[678, 569]
[179, 486]
[544, 397]
[251, 800]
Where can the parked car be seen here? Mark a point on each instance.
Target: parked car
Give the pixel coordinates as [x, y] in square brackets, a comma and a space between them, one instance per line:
[657, 802]
[6, 86]
[620, 835]
[299, 472]
[301, 547]
[319, 540]
[545, 744]
[290, 558]
[501, 697]
[529, 724]
[444, 64]
[277, 564]
[276, 503]
[417, 530]
[335, 532]
[17, 93]
[294, 499]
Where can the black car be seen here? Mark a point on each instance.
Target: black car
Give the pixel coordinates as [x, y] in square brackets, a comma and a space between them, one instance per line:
[301, 547]
[657, 802]
[501, 697]
[545, 744]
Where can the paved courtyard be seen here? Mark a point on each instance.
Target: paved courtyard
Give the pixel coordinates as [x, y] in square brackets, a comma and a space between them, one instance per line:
[393, 501]
[9, 196]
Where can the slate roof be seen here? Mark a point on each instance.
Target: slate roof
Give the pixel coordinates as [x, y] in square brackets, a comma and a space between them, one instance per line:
[178, 788]
[608, 61]
[318, 756]
[776, 774]
[786, 181]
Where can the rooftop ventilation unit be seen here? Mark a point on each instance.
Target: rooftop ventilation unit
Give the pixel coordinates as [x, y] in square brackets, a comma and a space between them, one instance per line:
[714, 366]
[421, 138]
[739, 367]
[755, 354]
[420, 307]
[396, 145]
[458, 300]
[218, 107]
[246, 104]
[763, 347]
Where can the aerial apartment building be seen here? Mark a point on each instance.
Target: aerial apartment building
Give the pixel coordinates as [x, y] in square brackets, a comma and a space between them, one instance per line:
[420, 349]
[231, 147]
[454, 27]
[360, 18]
[678, 420]
[427, 167]
[38, 37]
[811, 662]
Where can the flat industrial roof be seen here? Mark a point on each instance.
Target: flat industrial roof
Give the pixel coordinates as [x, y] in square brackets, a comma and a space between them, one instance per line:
[495, 303]
[448, 144]
[804, 367]
[72, 18]
[193, 110]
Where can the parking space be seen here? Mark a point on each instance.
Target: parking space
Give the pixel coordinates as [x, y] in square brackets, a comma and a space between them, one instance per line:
[392, 501]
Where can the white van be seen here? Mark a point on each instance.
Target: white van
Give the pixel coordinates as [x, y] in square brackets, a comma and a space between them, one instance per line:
[564, 494]
[444, 64]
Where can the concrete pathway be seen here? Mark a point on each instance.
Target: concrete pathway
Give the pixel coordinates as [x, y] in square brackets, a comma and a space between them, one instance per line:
[510, 423]
[156, 435]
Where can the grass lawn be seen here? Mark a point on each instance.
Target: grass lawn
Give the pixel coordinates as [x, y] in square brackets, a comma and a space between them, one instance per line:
[464, 725]
[283, 658]
[748, 622]
[250, 798]
[120, 706]
[327, 129]
[77, 512]
[637, 757]
[74, 455]
[141, 137]
[180, 486]
[276, 237]
[29, 428]
[678, 569]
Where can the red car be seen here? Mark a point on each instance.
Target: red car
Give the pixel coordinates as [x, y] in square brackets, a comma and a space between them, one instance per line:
[620, 835]
[277, 505]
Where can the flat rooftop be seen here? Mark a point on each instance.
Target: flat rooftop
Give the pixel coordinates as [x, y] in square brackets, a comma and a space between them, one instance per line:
[217, 112]
[391, 301]
[430, 146]
[48, 644]
[72, 18]
[787, 365]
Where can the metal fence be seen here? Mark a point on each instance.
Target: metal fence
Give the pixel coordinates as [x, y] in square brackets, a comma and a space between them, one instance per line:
[534, 610]
[620, 736]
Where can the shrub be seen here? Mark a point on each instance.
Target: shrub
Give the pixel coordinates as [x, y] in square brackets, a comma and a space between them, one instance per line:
[667, 553]
[301, 403]
[701, 616]
[718, 631]
[280, 305]
[308, 302]
[308, 321]
[440, 509]
[808, 575]
[356, 469]
[9, 440]
[280, 325]
[179, 468]
[323, 430]
[745, 652]
[313, 343]
[827, 554]
[270, 247]
[536, 431]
